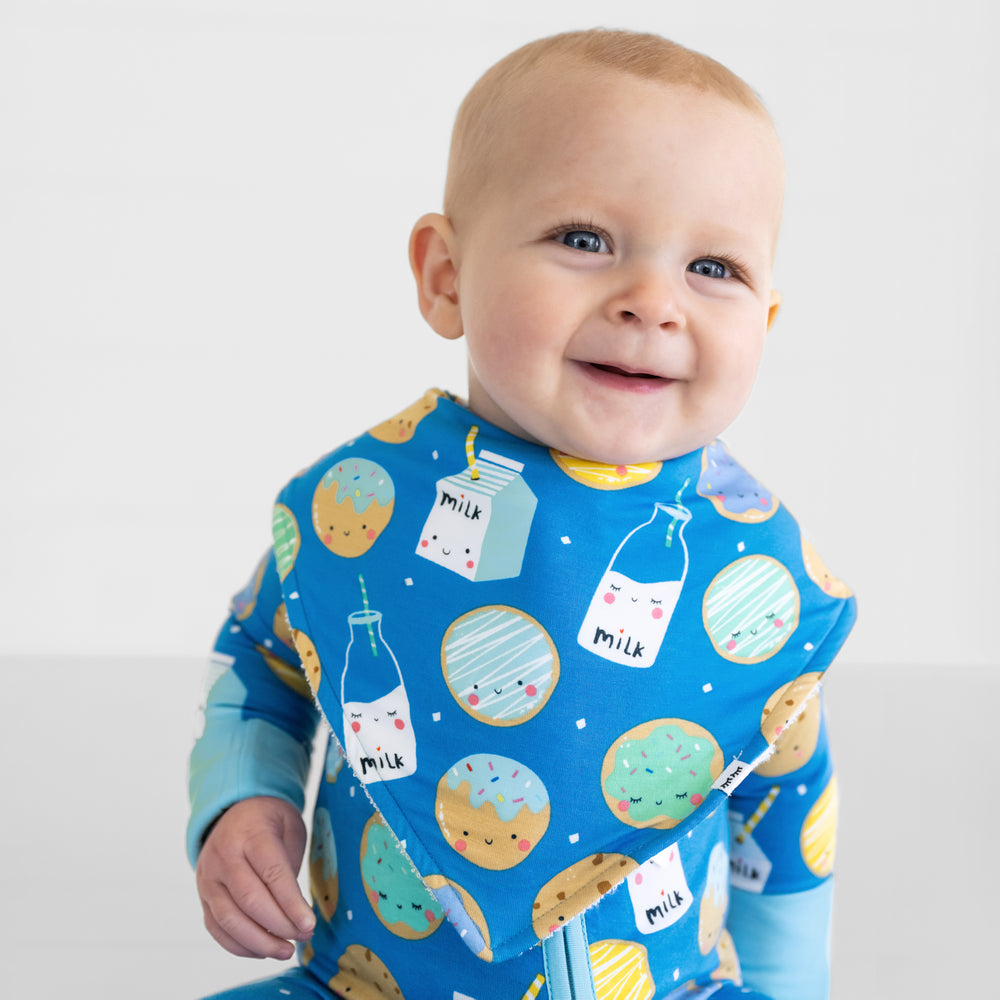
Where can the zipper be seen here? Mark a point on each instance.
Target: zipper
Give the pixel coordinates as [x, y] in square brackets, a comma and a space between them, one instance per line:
[567, 962]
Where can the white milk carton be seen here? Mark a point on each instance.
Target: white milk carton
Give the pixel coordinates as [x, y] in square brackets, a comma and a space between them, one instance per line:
[479, 528]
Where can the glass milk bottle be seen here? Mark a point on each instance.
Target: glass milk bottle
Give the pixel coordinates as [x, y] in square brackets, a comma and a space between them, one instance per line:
[632, 606]
[378, 737]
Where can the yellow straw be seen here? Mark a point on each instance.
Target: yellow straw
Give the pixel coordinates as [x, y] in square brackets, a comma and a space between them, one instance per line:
[533, 989]
[470, 454]
[759, 813]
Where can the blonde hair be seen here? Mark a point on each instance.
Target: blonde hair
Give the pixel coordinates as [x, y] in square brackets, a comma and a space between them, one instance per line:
[647, 56]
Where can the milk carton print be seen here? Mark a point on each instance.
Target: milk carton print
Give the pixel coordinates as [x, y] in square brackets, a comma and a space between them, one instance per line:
[479, 524]
[631, 609]
[379, 742]
[659, 892]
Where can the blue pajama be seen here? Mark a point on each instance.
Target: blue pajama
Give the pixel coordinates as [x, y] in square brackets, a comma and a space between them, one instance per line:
[573, 713]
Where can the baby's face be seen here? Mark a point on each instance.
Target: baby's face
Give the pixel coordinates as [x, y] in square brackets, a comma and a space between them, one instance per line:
[614, 272]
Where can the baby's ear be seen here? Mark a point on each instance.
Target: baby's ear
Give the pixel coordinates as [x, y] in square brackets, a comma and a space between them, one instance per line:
[773, 306]
[433, 263]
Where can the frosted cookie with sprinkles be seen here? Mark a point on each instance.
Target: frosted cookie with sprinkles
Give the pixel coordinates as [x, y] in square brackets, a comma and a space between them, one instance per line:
[657, 773]
[352, 505]
[751, 609]
[492, 810]
[400, 900]
[500, 665]
[601, 475]
[733, 492]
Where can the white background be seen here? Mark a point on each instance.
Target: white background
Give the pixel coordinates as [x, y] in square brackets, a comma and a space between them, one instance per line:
[205, 206]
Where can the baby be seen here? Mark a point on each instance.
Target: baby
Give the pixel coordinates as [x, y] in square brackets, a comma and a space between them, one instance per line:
[568, 647]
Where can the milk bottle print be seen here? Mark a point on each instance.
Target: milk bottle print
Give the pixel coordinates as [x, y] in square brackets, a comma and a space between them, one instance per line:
[378, 738]
[632, 606]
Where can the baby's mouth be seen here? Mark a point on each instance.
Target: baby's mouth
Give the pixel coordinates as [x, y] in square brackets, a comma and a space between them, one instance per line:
[615, 370]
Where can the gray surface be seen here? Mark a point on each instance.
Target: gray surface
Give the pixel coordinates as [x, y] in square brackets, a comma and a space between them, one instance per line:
[97, 896]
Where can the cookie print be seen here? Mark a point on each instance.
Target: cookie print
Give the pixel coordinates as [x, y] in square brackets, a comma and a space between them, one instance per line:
[401, 428]
[657, 773]
[790, 722]
[463, 913]
[818, 840]
[751, 609]
[289, 675]
[362, 975]
[500, 665]
[310, 659]
[492, 810]
[324, 881]
[820, 575]
[400, 900]
[352, 505]
[285, 531]
[733, 492]
[601, 476]
[621, 970]
[575, 888]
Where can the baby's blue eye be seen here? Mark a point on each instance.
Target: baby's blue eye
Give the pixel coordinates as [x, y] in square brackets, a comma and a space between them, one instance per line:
[709, 268]
[583, 239]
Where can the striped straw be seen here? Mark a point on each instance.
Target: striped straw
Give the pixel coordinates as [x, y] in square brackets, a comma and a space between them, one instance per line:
[470, 454]
[532, 990]
[759, 813]
[371, 631]
[677, 500]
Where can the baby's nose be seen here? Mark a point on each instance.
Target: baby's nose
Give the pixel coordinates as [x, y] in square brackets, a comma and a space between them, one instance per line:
[649, 299]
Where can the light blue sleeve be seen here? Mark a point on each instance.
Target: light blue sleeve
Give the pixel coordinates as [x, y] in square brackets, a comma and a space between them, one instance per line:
[259, 721]
[784, 941]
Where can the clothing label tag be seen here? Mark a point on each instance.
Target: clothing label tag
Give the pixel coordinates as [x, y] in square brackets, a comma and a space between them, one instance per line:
[732, 776]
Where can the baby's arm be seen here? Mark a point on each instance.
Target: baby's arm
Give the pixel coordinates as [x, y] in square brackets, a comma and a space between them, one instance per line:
[782, 934]
[247, 780]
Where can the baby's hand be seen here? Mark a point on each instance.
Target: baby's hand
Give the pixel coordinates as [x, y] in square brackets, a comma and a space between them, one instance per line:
[246, 878]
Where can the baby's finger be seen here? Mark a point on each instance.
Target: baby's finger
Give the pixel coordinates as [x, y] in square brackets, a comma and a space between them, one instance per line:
[230, 925]
[270, 862]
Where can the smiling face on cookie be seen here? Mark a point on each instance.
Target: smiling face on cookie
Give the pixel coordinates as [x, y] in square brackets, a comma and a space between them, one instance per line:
[791, 722]
[658, 773]
[352, 505]
[492, 810]
[500, 665]
[398, 897]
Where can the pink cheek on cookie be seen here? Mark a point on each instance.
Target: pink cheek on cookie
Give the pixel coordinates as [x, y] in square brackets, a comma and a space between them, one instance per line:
[370, 534]
[696, 799]
[473, 700]
[356, 726]
[731, 645]
[623, 806]
[531, 690]
[400, 724]
[778, 623]
[524, 845]
[460, 845]
[657, 613]
[327, 538]
[429, 916]
[609, 598]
